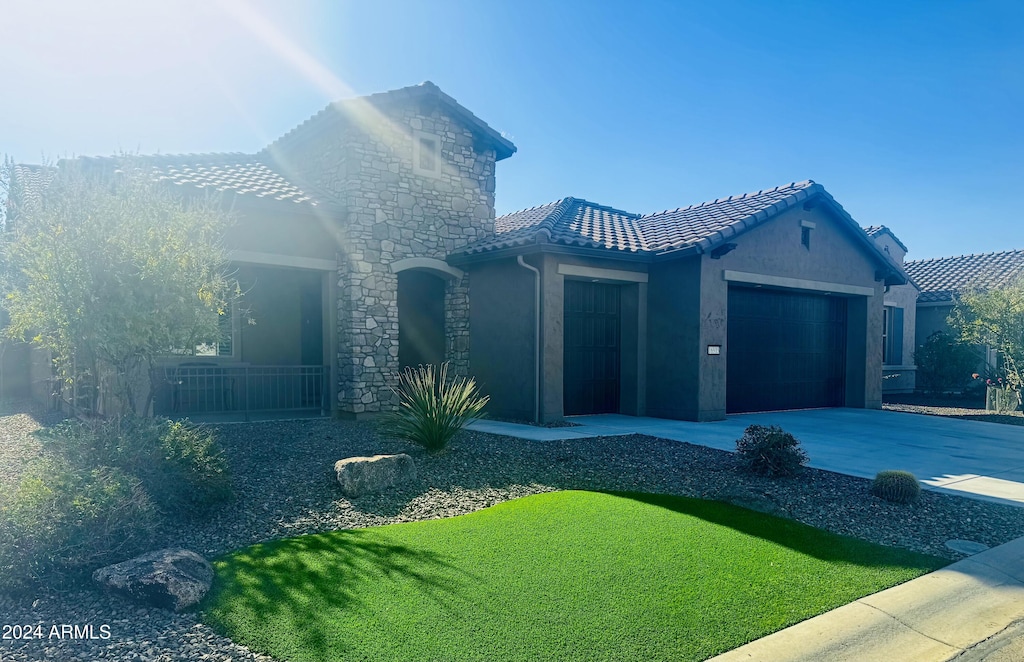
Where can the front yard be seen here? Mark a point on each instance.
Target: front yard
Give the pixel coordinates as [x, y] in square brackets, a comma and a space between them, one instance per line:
[560, 576]
[285, 487]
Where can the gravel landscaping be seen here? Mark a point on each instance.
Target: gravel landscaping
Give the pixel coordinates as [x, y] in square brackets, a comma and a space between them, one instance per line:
[285, 486]
[969, 409]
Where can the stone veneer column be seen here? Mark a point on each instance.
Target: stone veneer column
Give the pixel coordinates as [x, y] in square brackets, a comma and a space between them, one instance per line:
[393, 214]
[456, 325]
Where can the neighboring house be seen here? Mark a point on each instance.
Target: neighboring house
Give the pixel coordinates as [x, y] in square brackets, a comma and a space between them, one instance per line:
[941, 278]
[367, 242]
[899, 320]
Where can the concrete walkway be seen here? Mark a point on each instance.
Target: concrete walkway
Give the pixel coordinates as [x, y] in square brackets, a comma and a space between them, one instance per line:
[969, 458]
[969, 611]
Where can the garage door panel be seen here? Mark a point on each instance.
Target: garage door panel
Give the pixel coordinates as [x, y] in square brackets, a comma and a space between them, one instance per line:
[786, 350]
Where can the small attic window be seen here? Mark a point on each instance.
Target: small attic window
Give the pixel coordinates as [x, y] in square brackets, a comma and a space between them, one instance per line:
[805, 233]
[426, 150]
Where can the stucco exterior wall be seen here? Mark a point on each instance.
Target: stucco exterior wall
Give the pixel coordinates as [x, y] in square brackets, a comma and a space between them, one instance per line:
[902, 377]
[775, 249]
[15, 379]
[673, 337]
[284, 229]
[888, 244]
[501, 331]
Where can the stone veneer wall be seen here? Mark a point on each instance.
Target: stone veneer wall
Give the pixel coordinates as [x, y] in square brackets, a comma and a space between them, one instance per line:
[393, 213]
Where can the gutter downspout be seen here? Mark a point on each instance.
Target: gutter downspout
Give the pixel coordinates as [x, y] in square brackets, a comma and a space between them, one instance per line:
[536, 336]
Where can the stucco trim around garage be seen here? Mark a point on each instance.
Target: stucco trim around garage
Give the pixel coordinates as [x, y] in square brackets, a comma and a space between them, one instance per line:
[440, 267]
[796, 283]
[603, 274]
[277, 260]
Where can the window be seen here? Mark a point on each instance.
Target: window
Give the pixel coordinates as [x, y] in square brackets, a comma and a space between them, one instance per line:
[805, 233]
[222, 346]
[892, 336]
[426, 153]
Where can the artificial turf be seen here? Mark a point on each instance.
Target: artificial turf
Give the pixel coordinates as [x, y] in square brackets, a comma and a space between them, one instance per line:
[557, 576]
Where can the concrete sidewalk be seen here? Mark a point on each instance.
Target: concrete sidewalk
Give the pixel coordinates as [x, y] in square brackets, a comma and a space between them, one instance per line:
[969, 611]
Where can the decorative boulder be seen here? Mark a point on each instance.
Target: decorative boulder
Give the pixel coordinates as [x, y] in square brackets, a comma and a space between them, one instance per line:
[366, 475]
[168, 578]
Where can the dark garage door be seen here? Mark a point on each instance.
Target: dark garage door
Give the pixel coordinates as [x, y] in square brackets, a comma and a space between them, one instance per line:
[591, 368]
[786, 350]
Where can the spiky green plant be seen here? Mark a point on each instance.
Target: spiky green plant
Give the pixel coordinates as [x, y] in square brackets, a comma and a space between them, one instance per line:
[432, 407]
[896, 486]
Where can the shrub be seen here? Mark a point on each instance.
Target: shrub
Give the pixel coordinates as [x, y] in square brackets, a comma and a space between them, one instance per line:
[432, 407]
[177, 463]
[97, 495]
[770, 451]
[944, 364]
[896, 486]
[60, 522]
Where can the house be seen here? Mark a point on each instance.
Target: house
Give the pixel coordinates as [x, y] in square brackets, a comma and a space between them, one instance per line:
[769, 300]
[368, 241]
[899, 320]
[940, 279]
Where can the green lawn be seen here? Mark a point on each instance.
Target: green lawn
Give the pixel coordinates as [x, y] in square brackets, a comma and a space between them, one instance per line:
[559, 576]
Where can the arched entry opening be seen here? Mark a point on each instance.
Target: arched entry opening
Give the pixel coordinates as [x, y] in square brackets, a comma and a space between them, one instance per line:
[421, 313]
[420, 319]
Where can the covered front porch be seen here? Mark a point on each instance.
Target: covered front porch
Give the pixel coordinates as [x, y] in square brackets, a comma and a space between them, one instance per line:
[272, 359]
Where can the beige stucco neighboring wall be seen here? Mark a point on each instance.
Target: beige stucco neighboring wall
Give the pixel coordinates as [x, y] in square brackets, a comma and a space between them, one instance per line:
[902, 377]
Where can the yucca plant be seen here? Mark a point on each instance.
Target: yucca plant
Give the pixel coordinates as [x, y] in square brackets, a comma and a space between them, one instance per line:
[432, 408]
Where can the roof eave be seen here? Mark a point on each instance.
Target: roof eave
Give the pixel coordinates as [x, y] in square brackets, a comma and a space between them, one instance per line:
[460, 259]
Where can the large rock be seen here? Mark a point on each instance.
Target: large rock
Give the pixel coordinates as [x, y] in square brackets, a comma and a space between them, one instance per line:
[168, 578]
[366, 475]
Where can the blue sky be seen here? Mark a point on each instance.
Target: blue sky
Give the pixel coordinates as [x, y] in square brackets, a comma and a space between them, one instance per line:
[909, 113]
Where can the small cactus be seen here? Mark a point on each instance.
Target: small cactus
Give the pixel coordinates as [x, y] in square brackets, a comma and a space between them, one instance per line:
[896, 486]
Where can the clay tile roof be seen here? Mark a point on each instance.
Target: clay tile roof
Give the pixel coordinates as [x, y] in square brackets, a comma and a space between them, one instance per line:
[704, 224]
[242, 174]
[569, 221]
[576, 222]
[238, 173]
[875, 230]
[700, 228]
[28, 183]
[939, 278]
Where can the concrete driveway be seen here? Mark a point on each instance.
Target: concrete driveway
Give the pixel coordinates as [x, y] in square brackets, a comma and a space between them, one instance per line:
[969, 458]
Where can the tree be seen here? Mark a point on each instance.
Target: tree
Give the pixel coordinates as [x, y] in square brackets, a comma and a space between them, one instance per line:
[944, 363]
[995, 318]
[110, 270]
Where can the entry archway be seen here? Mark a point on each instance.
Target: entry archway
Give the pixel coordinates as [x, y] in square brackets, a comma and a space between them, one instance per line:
[421, 310]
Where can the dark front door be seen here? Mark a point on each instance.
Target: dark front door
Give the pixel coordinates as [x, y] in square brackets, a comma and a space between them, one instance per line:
[312, 311]
[787, 350]
[591, 358]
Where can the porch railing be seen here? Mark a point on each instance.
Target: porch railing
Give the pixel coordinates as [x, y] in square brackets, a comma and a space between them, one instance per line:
[241, 391]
